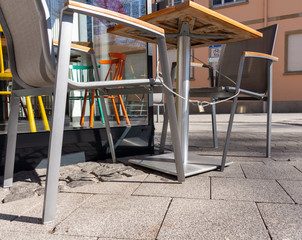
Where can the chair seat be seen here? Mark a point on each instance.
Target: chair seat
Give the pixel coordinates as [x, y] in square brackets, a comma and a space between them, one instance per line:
[216, 92]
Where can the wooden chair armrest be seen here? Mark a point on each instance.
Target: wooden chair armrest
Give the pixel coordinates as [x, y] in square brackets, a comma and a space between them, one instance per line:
[77, 47]
[260, 55]
[116, 17]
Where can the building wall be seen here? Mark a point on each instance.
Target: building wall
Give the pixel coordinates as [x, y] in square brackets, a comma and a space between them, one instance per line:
[287, 88]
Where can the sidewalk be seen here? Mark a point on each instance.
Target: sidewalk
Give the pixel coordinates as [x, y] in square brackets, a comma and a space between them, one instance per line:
[254, 198]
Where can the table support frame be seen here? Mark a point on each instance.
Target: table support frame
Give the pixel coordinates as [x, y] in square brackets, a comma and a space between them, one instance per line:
[192, 163]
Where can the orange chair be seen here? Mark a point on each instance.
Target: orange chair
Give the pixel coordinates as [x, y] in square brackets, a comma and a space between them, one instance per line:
[116, 69]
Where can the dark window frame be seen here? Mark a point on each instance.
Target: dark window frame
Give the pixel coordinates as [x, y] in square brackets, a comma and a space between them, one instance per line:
[223, 4]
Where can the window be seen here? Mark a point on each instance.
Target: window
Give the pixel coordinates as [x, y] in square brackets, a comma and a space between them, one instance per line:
[293, 52]
[224, 3]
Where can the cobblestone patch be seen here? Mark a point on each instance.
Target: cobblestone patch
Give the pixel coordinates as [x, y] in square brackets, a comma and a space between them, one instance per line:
[30, 183]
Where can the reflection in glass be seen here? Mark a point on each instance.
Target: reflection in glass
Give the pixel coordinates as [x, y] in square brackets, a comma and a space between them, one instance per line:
[93, 32]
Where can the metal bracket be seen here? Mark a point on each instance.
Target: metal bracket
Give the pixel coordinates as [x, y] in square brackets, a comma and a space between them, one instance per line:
[184, 31]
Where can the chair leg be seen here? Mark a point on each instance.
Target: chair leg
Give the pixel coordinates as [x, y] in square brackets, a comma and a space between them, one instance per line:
[31, 117]
[214, 125]
[43, 113]
[11, 141]
[91, 117]
[269, 111]
[164, 134]
[228, 137]
[115, 110]
[84, 108]
[58, 117]
[268, 130]
[54, 155]
[107, 125]
[100, 107]
[124, 109]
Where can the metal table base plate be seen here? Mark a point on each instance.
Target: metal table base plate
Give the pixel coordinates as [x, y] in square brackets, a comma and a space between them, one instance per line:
[165, 163]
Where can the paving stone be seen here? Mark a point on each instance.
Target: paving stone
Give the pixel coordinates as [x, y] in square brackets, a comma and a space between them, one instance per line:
[210, 219]
[232, 171]
[293, 188]
[88, 166]
[36, 236]
[284, 221]
[255, 190]
[271, 171]
[29, 221]
[12, 210]
[124, 186]
[193, 187]
[21, 190]
[117, 217]
[298, 165]
[81, 176]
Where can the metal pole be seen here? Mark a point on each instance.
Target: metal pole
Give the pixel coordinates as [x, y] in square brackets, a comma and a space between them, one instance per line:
[183, 87]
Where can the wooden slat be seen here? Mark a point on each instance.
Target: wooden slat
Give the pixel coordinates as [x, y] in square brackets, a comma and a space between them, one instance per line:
[114, 14]
[201, 20]
[271, 57]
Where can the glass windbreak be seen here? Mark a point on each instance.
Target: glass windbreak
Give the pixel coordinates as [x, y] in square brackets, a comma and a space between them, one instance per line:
[121, 109]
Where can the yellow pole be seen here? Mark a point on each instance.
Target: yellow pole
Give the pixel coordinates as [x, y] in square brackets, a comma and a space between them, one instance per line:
[30, 112]
[43, 113]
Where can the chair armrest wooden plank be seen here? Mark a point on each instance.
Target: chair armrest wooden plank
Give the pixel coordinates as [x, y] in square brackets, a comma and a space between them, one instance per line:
[260, 55]
[77, 47]
[116, 17]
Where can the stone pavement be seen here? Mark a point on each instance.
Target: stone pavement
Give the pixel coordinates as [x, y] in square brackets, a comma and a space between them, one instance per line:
[254, 198]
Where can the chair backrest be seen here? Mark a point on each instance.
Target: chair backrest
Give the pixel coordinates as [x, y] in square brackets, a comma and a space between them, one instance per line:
[117, 65]
[255, 73]
[25, 25]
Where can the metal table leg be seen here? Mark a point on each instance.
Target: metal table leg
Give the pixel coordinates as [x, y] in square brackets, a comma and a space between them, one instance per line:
[192, 163]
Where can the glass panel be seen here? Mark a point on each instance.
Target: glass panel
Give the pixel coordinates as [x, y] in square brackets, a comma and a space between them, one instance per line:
[95, 30]
[217, 2]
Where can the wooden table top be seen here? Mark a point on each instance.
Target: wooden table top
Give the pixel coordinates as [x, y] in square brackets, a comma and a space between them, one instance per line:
[202, 21]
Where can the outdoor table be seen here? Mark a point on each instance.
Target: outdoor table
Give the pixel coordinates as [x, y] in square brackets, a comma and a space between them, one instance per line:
[187, 25]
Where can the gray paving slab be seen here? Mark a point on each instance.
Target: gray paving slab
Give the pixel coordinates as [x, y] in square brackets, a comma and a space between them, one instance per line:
[11, 210]
[193, 187]
[284, 221]
[297, 164]
[209, 220]
[37, 236]
[255, 190]
[120, 186]
[271, 171]
[246, 159]
[30, 221]
[115, 217]
[232, 171]
[293, 188]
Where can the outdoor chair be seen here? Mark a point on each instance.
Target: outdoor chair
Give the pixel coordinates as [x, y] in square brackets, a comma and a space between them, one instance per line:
[81, 73]
[244, 73]
[6, 75]
[36, 72]
[115, 72]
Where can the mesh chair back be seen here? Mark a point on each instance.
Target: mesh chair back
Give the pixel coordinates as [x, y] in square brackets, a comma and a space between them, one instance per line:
[25, 22]
[255, 71]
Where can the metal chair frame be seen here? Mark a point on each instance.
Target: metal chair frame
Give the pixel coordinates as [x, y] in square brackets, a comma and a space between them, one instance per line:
[56, 81]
